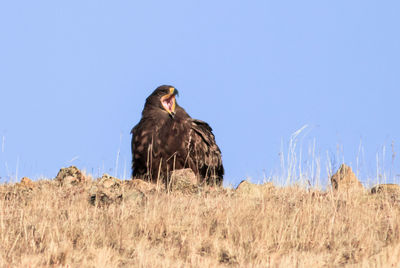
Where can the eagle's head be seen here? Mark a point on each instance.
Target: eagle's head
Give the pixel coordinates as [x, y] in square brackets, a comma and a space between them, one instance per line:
[163, 97]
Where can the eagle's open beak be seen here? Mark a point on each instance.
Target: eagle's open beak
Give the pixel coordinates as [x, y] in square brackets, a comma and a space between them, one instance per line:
[168, 101]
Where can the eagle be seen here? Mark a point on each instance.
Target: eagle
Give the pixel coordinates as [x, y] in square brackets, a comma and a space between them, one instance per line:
[167, 138]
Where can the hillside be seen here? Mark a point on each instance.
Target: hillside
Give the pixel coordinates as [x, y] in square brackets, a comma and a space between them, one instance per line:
[77, 221]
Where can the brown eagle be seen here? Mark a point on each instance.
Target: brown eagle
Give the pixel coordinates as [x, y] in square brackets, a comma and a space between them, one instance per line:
[167, 138]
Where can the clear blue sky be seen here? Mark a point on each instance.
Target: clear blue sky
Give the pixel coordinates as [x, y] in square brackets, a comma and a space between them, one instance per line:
[74, 76]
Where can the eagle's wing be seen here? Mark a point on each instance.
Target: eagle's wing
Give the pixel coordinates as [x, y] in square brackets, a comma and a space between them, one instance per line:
[207, 155]
[141, 140]
[204, 131]
[136, 157]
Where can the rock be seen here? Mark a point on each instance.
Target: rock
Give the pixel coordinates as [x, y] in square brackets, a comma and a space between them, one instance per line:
[26, 183]
[255, 190]
[140, 185]
[390, 189]
[70, 176]
[108, 181]
[345, 179]
[104, 197]
[108, 190]
[22, 192]
[134, 196]
[183, 180]
[185, 174]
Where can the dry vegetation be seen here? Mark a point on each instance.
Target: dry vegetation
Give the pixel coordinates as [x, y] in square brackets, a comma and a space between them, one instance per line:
[98, 223]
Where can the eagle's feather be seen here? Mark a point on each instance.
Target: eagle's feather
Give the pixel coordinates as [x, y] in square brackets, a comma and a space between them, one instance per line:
[163, 142]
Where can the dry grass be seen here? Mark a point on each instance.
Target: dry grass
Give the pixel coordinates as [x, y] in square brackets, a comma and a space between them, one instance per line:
[283, 227]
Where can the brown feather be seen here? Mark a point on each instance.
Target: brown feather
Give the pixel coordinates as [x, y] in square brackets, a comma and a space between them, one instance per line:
[162, 143]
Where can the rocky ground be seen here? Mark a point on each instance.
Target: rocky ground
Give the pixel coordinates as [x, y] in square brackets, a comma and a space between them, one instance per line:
[76, 220]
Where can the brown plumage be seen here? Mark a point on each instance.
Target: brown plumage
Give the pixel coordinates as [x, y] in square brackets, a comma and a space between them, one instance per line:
[167, 138]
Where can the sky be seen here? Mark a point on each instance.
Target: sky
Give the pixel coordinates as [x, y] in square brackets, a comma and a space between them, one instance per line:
[290, 88]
